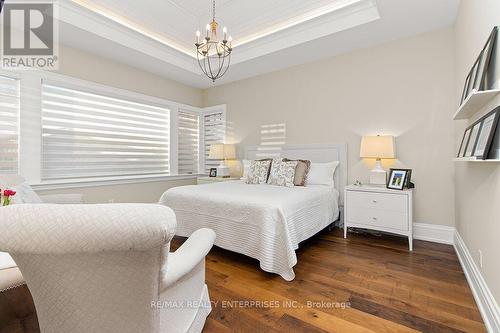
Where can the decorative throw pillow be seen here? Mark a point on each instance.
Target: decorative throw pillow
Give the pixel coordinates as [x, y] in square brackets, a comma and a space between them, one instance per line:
[282, 173]
[301, 171]
[258, 172]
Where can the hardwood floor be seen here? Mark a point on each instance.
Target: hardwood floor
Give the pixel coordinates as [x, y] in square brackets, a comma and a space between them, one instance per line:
[363, 284]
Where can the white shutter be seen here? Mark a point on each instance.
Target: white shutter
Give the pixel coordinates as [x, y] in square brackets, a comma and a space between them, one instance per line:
[214, 131]
[9, 125]
[93, 135]
[188, 141]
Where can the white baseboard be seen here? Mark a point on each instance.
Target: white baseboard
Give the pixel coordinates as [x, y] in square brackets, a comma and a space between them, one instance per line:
[484, 298]
[433, 233]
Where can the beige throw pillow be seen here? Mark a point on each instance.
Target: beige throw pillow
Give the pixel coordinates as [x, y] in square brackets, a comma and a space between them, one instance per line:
[301, 171]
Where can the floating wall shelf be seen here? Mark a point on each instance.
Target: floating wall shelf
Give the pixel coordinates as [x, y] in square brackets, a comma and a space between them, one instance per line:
[473, 103]
[473, 159]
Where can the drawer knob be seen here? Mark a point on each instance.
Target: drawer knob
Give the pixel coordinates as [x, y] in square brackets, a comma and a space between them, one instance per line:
[374, 201]
[374, 218]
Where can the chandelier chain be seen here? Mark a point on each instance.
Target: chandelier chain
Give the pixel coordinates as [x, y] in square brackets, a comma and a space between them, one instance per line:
[213, 11]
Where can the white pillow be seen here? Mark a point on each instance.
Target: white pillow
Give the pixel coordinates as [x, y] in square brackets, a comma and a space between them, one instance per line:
[246, 168]
[24, 195]
[321, 173]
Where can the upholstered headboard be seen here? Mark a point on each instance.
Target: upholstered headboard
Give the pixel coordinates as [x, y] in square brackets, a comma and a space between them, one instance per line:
[320, 153]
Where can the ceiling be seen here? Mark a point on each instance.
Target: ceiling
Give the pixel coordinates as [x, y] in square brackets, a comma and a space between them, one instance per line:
[158, 35]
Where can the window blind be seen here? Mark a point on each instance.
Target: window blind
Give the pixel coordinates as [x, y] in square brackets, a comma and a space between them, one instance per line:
[188, 141]
[213, 132]
[9, 125]
[92, 135]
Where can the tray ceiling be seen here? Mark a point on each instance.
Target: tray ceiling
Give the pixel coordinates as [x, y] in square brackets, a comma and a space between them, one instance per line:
[158, 35]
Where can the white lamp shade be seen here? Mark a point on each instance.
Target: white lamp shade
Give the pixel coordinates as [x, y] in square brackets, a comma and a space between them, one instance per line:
[216, 151]
[229, 152]
[380, 146]
[220, 151]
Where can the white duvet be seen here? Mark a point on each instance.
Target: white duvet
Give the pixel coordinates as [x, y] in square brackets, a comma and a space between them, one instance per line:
[264, 222]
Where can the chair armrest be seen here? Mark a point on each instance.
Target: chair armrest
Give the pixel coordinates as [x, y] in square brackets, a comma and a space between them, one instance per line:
[10, 278]
[63, 198]
[188, 256]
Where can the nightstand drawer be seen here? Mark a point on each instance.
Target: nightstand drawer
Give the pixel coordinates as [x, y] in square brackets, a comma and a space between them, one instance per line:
[370, 200]
[378, 218]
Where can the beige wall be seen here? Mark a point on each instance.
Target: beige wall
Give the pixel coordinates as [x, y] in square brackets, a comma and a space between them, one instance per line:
[93, 68]
[404, 88]
[97, 69]
[147, 192]
[477, 184]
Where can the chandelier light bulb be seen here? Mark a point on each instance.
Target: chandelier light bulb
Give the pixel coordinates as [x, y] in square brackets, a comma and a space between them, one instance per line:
[198, 34]
[224, 31]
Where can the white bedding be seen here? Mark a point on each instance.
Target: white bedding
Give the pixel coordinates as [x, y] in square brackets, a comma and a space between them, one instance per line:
[264, 222]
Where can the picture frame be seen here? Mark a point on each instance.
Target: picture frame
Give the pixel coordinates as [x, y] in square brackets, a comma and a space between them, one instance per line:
[480, 74]
[492, 68]
[463, 144]
[469, 82]
[397, 179]
[471, 144]
[477, 72]
[465, 90]
[408, 183]
[473, 77]
[213, 172]
[489, 124]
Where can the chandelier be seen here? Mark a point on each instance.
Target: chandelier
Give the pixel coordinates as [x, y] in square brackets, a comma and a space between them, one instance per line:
[214, 56]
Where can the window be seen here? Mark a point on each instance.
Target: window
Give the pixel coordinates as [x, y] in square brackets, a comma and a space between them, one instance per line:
[214, 131]
[58, 131]
[189, 141]
[93, 135]
[9, 125]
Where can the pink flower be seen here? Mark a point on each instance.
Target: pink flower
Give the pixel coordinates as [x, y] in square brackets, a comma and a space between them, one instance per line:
[9, 193]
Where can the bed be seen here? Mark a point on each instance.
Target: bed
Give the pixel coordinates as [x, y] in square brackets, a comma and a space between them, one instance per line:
[264, 222]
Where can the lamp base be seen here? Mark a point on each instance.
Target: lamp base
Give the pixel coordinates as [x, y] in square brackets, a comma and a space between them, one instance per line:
[223, 170]
[378, 176]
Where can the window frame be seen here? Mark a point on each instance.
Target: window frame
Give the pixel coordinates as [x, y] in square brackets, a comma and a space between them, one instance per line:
[30, 129]
[221, 108]
[18, 124]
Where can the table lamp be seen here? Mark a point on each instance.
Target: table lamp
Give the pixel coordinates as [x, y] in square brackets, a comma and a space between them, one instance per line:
[378, 147]
[222, 152]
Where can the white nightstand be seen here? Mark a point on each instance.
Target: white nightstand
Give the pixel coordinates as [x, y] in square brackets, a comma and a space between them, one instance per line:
[208, 180]
[379, 208]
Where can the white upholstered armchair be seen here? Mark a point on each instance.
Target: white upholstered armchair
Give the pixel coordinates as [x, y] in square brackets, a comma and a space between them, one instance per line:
[107, 268]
